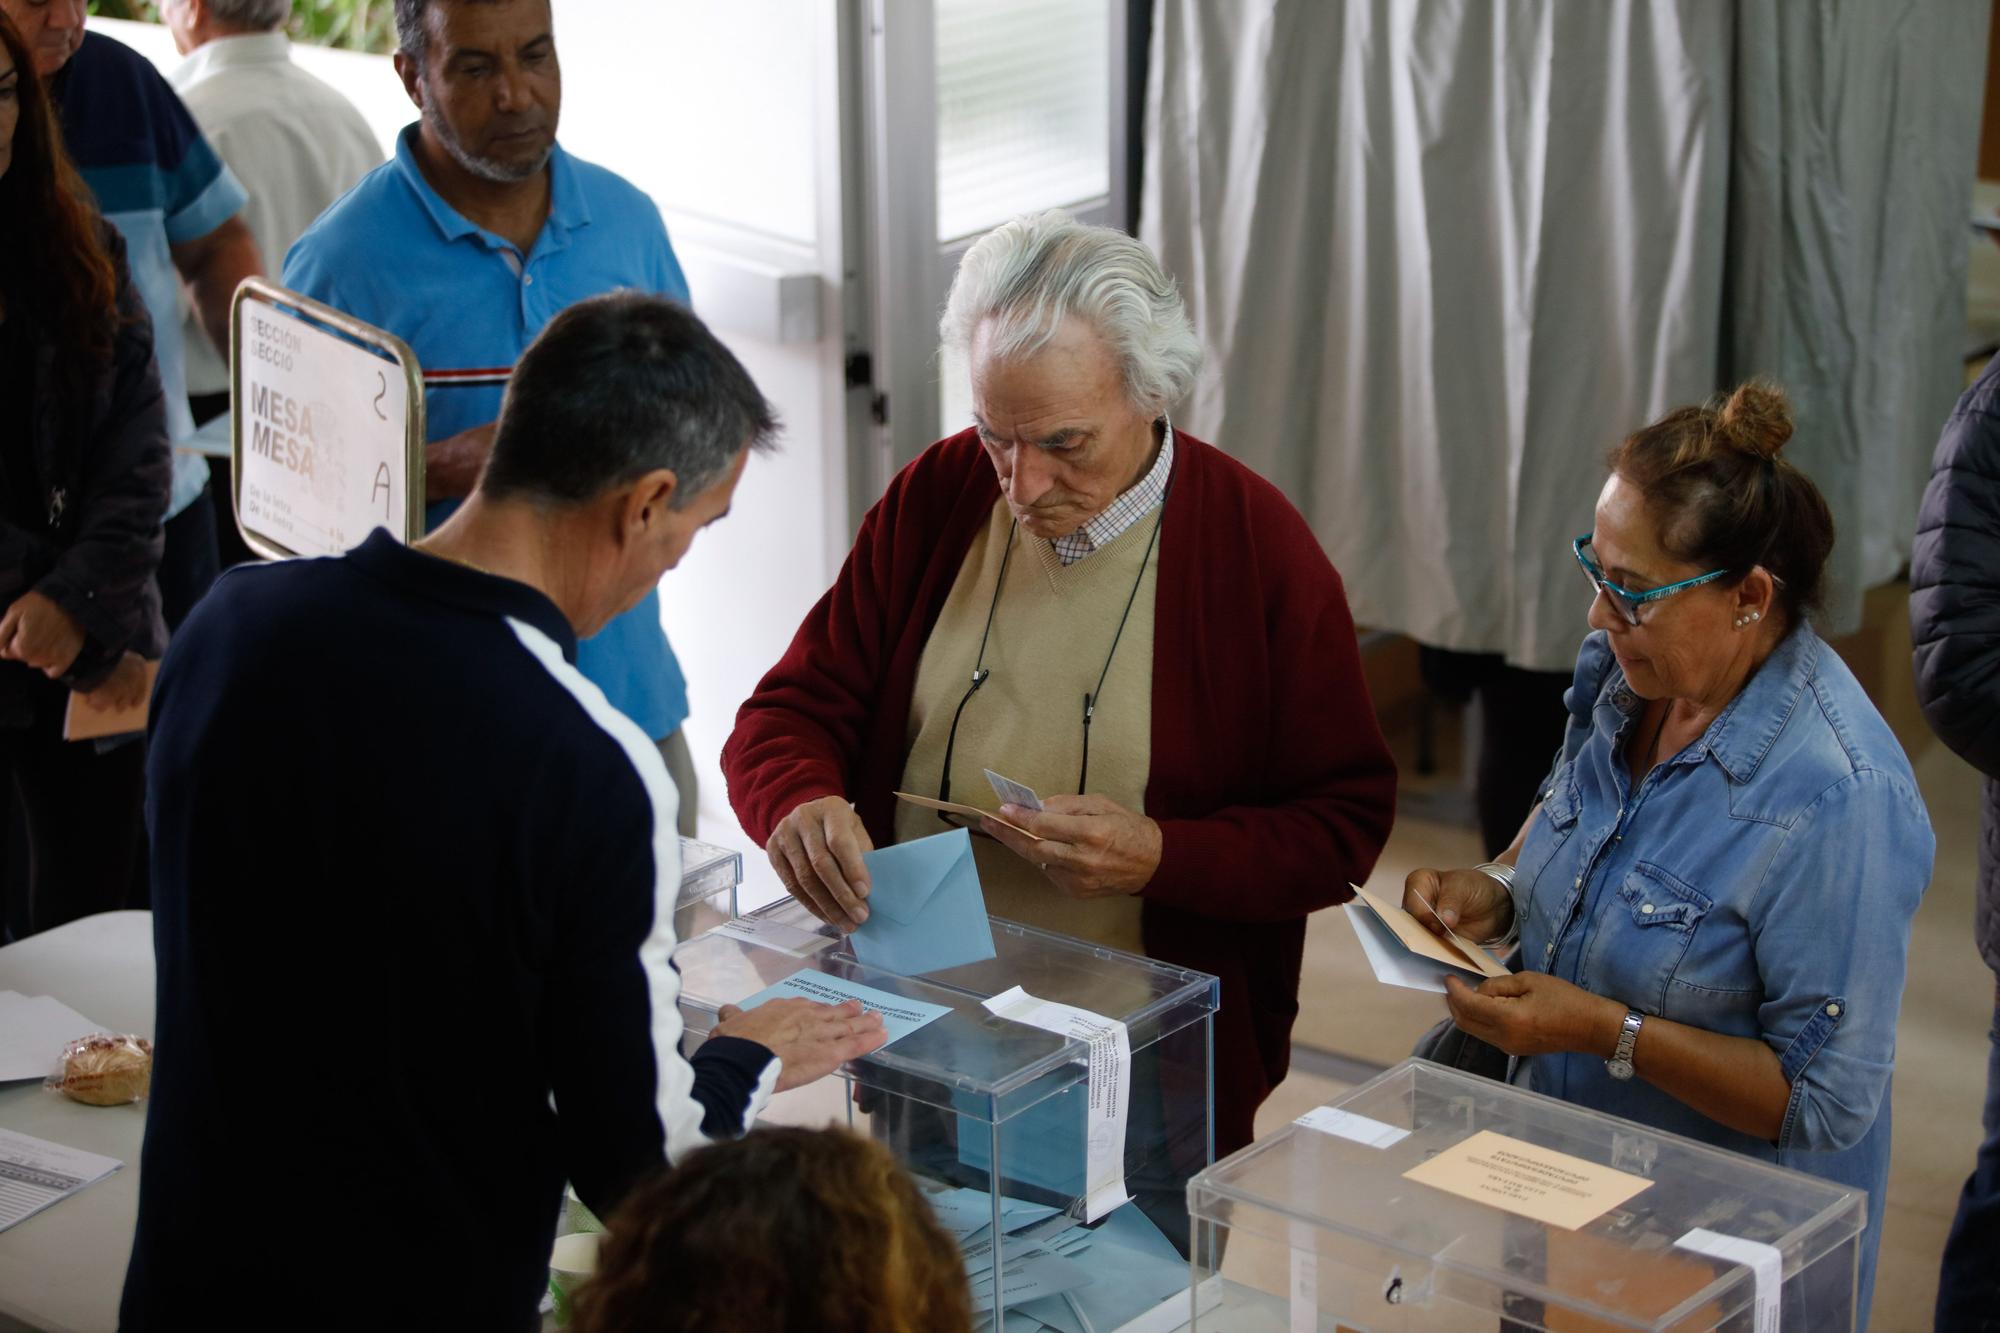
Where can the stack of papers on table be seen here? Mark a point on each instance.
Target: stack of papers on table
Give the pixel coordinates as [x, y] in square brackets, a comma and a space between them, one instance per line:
[1059, 1274]
[1404, 952]
[33, 1031]
[35, 1173]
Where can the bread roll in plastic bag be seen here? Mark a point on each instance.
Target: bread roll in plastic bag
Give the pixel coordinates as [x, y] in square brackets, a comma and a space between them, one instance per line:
[103, 1070]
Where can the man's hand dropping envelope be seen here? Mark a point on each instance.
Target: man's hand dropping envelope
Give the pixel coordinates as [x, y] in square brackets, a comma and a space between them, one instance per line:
[926, 911]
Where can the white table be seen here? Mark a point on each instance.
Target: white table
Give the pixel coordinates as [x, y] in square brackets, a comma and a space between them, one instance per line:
[62, 1269]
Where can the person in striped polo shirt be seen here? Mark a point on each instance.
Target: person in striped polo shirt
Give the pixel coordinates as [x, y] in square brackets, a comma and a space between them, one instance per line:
[179, 210]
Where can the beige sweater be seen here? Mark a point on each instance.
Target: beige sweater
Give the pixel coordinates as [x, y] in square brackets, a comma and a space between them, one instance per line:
[1051, 632]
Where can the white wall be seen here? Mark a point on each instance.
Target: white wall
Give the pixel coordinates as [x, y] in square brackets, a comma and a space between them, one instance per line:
[728, 116]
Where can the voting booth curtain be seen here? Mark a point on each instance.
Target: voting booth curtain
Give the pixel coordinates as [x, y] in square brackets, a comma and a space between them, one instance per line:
[1444, 255]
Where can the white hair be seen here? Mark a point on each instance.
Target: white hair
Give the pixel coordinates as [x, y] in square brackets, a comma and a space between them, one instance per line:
[1023, 278]
[256, 15]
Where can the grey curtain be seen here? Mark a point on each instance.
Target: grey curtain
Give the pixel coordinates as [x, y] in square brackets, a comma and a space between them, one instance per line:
[1445, 253]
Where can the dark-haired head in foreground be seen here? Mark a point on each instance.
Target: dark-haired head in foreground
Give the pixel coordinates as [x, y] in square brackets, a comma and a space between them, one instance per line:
[782, 1231]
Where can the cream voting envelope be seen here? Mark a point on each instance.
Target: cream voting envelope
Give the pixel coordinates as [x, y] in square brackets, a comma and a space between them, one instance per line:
[84, 721]
[971, 814]
[1413, 935]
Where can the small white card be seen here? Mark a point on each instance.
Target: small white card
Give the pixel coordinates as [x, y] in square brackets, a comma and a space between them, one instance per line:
[1011, 792]
[1346, 1125]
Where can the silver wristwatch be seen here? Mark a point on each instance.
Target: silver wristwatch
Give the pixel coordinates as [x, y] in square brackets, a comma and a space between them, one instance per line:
[1619, 1066]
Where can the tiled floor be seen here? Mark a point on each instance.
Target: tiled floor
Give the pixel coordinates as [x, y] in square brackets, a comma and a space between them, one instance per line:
[1941, 1059]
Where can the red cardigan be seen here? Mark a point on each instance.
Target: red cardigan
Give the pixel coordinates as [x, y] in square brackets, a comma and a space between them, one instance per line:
[1270, 780]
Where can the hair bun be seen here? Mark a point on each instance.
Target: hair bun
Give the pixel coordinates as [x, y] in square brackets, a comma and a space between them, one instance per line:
[1756, 419]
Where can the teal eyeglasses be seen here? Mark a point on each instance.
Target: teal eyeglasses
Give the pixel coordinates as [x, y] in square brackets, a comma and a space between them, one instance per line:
[1627, 604]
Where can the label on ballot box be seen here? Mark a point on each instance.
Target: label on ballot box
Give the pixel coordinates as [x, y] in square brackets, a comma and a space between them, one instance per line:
[1051, 1137]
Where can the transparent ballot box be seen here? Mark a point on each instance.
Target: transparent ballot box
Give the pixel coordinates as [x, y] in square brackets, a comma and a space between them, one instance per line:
[1528, 1213]
[710, 876]
[1074, 1151]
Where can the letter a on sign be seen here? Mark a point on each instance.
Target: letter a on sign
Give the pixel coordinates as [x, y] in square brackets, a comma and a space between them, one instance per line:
[382, 489]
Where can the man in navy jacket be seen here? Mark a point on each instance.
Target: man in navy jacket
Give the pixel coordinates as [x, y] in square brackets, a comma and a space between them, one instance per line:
[415, 878]
[1955, 624]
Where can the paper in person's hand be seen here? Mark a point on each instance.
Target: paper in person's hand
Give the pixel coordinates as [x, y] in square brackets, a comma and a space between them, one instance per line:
[1011, 792]
[970, 813]
[85, 721]
[926, 910]
[1404, 952]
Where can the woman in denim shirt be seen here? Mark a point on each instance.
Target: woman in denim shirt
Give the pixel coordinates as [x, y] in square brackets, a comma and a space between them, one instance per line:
[1714, 895]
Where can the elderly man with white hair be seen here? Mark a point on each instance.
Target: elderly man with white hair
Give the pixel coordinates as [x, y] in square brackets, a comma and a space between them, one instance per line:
[1081, 597]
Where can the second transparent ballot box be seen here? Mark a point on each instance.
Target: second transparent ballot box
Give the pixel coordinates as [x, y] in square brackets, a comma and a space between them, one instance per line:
[709, 879]
[1056, 1097]
[1506, 1224]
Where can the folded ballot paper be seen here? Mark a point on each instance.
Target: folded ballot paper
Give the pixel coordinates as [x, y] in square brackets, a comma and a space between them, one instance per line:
[1404, 952]
[926, 911]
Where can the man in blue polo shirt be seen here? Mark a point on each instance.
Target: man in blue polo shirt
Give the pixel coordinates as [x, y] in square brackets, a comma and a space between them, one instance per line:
[473, 237]
[180, 211]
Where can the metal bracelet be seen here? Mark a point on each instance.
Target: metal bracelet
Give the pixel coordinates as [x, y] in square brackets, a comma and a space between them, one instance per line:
[1502, 874]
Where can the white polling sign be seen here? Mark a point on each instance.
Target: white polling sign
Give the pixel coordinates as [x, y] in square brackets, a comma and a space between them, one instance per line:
[328, 427]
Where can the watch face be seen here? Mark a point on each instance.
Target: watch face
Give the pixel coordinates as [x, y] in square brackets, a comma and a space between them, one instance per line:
[1618, 1069]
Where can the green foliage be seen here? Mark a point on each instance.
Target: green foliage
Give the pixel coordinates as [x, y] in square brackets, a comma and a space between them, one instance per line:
[143, 11]
[357, 25]
[354, 25]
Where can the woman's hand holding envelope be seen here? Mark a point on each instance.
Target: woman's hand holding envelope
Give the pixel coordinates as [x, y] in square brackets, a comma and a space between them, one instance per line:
[1471, 903]
[1090, 846]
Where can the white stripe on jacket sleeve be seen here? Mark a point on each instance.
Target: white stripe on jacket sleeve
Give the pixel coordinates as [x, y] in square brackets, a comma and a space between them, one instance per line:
[680, 1114]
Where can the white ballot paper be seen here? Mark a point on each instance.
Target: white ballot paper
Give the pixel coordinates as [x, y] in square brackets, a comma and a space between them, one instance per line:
[33, 1031]
[1110, 1088]
[35, 1173]
[774, 935]
[1766, 1261]
[1403, 952]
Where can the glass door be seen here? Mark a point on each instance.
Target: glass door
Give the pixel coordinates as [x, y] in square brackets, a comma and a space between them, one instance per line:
[976, 111]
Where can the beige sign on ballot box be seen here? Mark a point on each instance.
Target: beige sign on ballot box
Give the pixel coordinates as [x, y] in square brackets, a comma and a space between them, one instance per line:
[1528, 1180]
[327, 437]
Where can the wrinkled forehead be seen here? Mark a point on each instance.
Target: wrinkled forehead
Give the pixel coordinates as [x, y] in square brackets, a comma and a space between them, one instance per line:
[492, 26]
[1074, 369]
[1626, 534]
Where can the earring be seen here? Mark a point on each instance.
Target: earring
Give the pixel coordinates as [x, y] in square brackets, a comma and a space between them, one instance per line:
[1748, 618]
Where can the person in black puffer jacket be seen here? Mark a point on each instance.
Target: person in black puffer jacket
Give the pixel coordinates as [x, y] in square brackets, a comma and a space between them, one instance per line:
[84, 478]
[1955, 623]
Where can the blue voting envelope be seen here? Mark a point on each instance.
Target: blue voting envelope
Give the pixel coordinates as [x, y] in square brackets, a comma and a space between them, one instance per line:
[1134, 1269]
[925, 908]
[1045, 1146]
